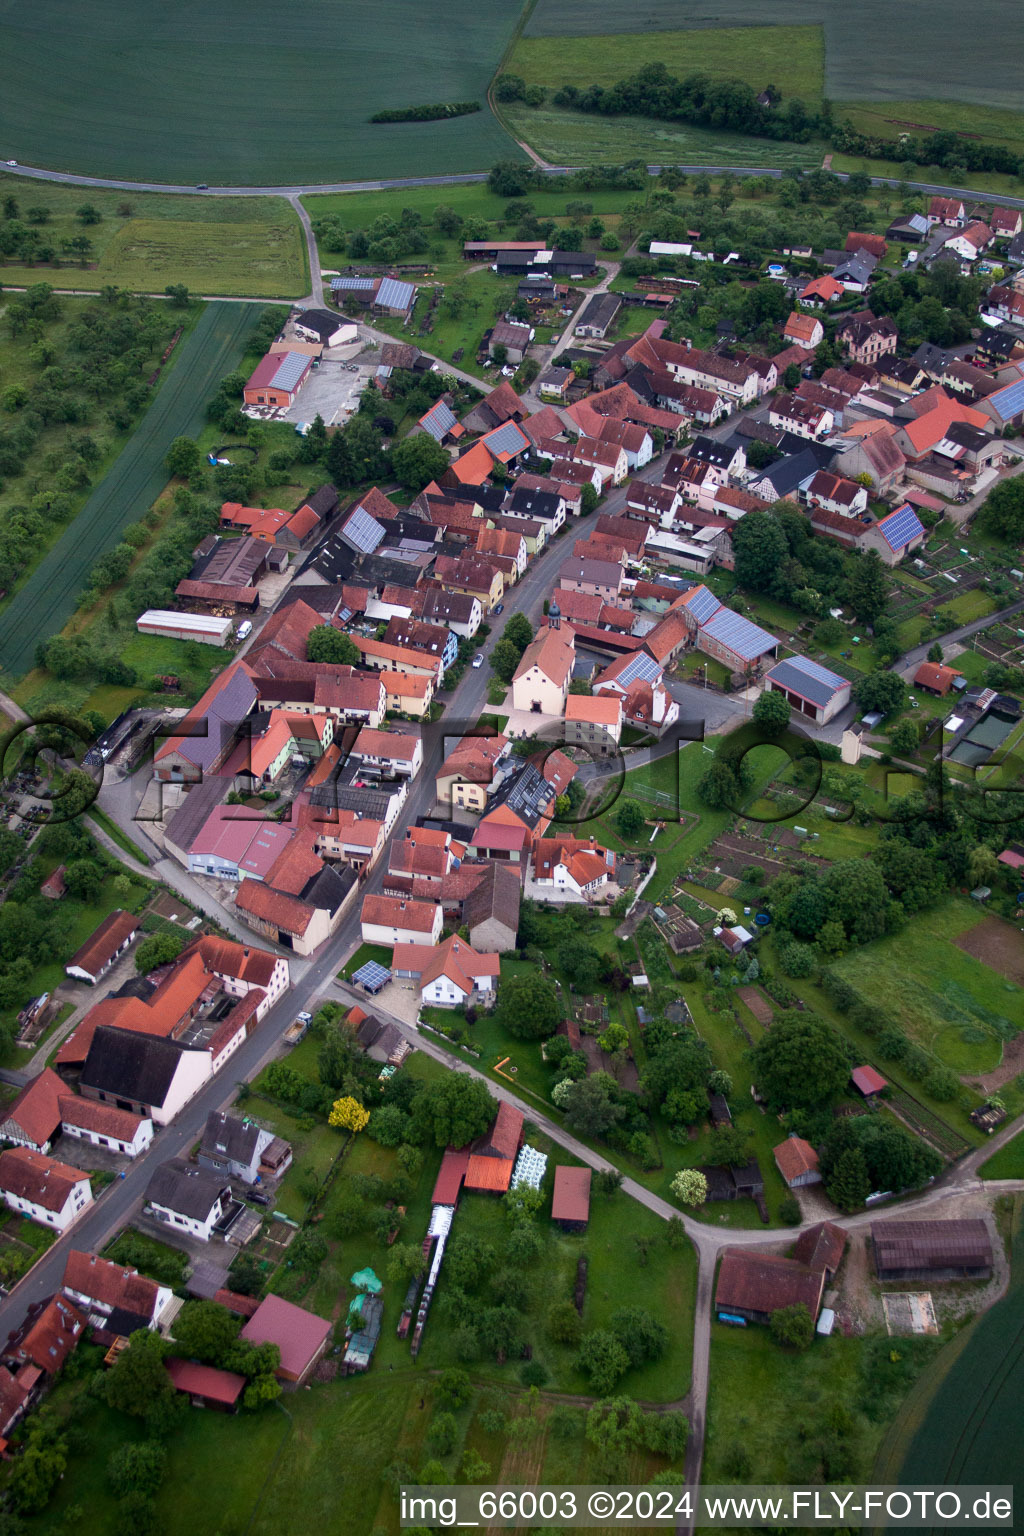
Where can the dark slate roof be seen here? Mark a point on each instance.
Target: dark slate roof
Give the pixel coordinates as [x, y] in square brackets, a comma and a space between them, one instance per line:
[496, 895]
[787, 474]
[184, 1188]
[328, 888]
[806, 678]
[130, 1065]
[227, 1136]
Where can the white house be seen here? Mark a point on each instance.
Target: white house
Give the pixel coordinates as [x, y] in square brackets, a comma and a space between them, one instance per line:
[448, 975]
[969, 243]
[102, 1288]
[189, 1199]
[241, 1149]
[541, 680]
[390, 753]
[837, 494]
[50, 1193]
[400, 920]
[104, 1125]
[570, 868]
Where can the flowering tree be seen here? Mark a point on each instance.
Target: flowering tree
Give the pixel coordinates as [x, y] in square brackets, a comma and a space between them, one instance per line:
[690, 1186]
[348, 1115]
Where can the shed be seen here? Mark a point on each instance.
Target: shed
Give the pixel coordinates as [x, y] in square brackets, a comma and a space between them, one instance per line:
[570, 1204]
[797, 1161]
[932, 1250]
[867, 1081]
[300, 1336]
[206, 1386]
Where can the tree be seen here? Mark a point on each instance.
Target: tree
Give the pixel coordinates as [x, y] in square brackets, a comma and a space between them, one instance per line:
[88, 214]
[453, 1110]
[935, 653]
[603, 1358]
[884, 691]
[519, 630]
[405, 1263]
[792, 1326]
[505, 659]
[178, 295]
[690, 1187]
[867, 586]
[760, 549]
[348, 1114]
[511, 178]
[36, 1473]
[729, 1147]
[589, 498]
[454, 1388]
[83, 878]
[591, 1108]
[137, 1467]
[160, 949]
[206, 1331]
[771, 712]
[443, 1433]
[183, 457]
[137, 1383]
[849, 1184]
[642, 1336]
[904, 736]
[564, 1324]
[630, 819]
[802, 1062]
[983, 867]
[528, 1007]
[417, 461]
[328, 644]
[1003, 511]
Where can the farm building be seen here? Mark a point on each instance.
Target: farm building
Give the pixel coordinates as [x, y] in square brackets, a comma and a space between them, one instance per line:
[812, 690]
[492, 1157]
[797, 1161]
[206, 1386]
[33, 1120]
[936, 679]
[277, 379]
[931, 1250]
[570, 1204]
[752, 1286]
[324, 326]
[821, 1247]
[598, 316]
[103, 948]
[206, 628]
[300, 1336]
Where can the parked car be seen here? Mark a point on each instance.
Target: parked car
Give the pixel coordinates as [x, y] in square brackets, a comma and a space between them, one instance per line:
[500, 608]
[258, 1197]
[478, 660]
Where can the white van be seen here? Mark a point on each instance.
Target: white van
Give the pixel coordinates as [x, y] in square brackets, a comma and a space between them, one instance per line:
[244, 630]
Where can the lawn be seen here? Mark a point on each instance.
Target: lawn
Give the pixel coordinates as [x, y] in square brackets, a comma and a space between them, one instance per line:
[1008, 1162]
[145, 240]
[149, 1256]
[950, 1003]
[190, 100]
[969, 605]
[42, 605]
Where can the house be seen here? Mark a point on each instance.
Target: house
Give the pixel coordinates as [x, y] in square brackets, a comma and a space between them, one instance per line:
[866, 339]
[1005, 222]
[948, 211]
[874, 453]
[875, 245]
[47, 1337]
[388, 754]
[440, 422]
[898, 534]
[788, 475]
[491, 910]
[854, 272]
[381, 656]
[473, 576]
[104, 1125]
[103, 948]
[190, 1199]
[277, 379]
[803, 330]
[570, 1202]
[205, 1385]
[116, 1299]
[910, 228]
[736, 382]
[804, 418]
[868, 1082]
[459, 612]
[240, 1149]
[598, 315]
[932, 1250]
[554, 383]
[492, 1156]
[1005, 406]
[381, 1042]
[203, 740]
[576, 869]
[813, 691]
[501, 405]
[449, 975]
[33, 1120]
[819, 292]
[396, 920]
[597, 576]
[637, 680]
[837, 494]
[610, 460]
[46, 1191]
[751, 1286]
[970, 242]
[469, 770]
[797, 1161]
[541, 680]
[935, 679]
[593, 722]
[513, 337]
[15, 1397]
[301, 1337]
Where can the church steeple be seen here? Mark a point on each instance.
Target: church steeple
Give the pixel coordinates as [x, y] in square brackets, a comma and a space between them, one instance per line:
[554, 615]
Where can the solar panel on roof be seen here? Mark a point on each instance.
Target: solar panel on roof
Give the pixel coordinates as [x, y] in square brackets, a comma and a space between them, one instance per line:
[506, 439]
[901, 526]
[702, 603]
[439, 420]
[639, 668]
[741, 636]
[290, 370]
[393, 294]
[1009, 401]
[353, 284]
[363, 531]
[807, 679]
[371, 976]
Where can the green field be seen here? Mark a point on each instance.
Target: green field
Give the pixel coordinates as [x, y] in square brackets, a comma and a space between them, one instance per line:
[251, 246]
[260, 96]
[214, 346]
[945, 999]
[1008, 1162]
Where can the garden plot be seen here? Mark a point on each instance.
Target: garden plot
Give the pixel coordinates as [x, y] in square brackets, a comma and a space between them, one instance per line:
[996, 944]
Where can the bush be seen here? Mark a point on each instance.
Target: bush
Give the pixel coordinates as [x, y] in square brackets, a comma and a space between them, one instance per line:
[789, 1210]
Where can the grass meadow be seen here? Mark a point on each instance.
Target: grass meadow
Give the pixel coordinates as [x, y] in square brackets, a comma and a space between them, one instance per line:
[1008, 1162]
[145, 240]
[262, 96]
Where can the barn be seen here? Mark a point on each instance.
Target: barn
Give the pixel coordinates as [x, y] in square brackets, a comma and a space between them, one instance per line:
[931, 1250]
[171, 625]
[812, 690]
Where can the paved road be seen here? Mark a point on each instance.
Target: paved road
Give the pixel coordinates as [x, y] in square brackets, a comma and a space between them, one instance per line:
[309, 188]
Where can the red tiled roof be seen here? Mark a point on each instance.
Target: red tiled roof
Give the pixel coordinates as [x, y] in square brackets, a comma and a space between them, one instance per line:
[453, 1169]
[205, 1381]
[821, 1246]
[795, 1156]
[242, 1306]
[393, 912]
[36, 1177]
[256, 899]
[112, 1285]
[492, 1175]
[751, 1282]
[505, 1134]
[571, 1198]
[104, 942]
[52, 1337]
[103, 1119]
[36, 1110]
